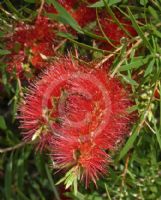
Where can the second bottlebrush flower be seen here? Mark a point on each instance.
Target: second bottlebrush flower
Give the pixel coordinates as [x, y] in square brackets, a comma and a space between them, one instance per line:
[78, 113]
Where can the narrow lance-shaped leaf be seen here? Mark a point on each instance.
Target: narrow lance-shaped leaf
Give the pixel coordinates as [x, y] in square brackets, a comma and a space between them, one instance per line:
[63, 16]
[100, 4]
[139, 31]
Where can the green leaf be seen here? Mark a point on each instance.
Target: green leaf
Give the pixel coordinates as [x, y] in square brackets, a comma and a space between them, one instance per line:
[8, 178]
[24, 153]
[158, 135]
[12, 8]
[84, 45]
[4, 52]
[100, 4]
[143, 2]
[132, 109]
[66, 35]
[153, 12]
[75, 186]
[52, 183]
[61, 180]
[112, 14]
[135, 64]
[38, 189]
[155, 31]
[92, 35]
[1, 34]
[128, 80]
[21, 194]
[108, 195]
[71, 179]
[149, 69]
[63, 16]
[139, 31]
[129, 144]
[40, 164]
[30, 1]
[2, 123]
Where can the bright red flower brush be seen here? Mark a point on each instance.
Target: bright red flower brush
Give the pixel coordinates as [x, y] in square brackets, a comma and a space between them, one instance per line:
[16, 63]
[40, 54]
[79, 114]
[113, 31]
[27, 34]
[84, 15]
[31, 44]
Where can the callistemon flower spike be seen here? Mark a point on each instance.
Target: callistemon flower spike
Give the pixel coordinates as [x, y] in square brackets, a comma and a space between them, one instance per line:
[79, 113]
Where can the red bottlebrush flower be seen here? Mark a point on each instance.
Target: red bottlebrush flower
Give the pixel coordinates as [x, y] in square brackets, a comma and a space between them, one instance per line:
[76, 106]
[16, 63]
[87, 157]
[84, 15]
[40, 54]
[40, 31]
[43, 30]
[50, 9]
[113, 31]
[22, 34]
[68, 4]
[35, 39]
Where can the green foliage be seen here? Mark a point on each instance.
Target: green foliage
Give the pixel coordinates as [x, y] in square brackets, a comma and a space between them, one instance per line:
[135, 170]
[63, 16]
[100, 4]
[4, 52]
[2, 123]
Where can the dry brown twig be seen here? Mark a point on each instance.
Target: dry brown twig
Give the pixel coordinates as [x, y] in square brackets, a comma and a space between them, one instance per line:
[41, 8]
[17, 146]
[59, 45]
[125, 170]
[107, 58]
[122, 61]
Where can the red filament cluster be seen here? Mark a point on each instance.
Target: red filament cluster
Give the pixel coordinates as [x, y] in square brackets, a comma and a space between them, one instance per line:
[79, 114]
